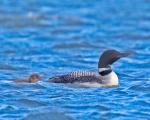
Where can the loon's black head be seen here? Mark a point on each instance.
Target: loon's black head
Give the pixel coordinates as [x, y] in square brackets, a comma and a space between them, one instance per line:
[108, 57]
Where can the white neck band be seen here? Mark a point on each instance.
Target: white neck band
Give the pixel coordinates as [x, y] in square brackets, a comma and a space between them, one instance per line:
[102, 69]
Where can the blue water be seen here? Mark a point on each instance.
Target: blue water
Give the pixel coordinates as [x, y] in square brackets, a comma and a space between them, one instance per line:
[54, 37]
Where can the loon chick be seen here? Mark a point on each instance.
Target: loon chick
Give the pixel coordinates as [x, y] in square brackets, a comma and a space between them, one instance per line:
[105, 76]
[31, 79]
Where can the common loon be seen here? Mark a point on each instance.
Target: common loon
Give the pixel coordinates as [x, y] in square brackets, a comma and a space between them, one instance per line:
[105, 77]
[31, 79]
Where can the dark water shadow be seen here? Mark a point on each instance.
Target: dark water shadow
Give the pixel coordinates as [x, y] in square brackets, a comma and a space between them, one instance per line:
[47, 115]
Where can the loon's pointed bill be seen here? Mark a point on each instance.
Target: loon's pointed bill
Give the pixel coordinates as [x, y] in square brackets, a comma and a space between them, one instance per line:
[105, 76]
[125, 54]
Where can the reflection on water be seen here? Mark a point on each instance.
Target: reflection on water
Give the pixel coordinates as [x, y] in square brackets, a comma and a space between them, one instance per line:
[55, 37]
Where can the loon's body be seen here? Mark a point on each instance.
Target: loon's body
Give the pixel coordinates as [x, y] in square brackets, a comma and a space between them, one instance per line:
[105, 77]
[78, 76]
[87, 79]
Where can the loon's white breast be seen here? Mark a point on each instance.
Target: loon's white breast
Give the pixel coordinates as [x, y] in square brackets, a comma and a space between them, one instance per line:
[110, 80]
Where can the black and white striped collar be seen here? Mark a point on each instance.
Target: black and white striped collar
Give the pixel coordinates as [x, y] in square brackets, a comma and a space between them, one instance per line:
[104, 71]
